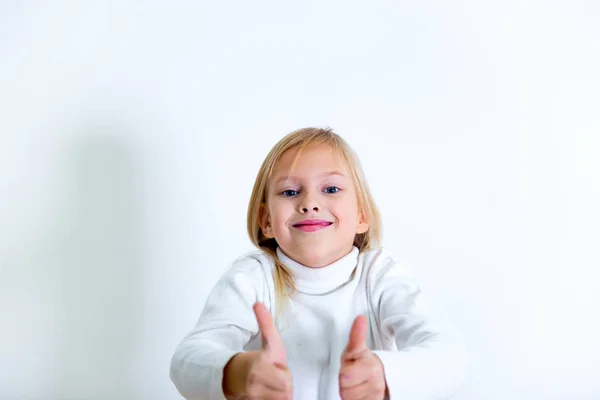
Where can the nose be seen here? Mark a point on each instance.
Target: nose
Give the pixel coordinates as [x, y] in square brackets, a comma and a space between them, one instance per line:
[308, 203]
[304, 210]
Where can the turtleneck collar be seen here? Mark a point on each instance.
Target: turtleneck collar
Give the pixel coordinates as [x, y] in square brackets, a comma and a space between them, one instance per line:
[324, 279]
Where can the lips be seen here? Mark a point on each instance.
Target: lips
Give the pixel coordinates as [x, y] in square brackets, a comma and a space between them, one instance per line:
[312, 225]
[312, 222]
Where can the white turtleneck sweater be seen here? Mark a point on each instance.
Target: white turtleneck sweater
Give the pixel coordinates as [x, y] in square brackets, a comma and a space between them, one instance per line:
[422, 358]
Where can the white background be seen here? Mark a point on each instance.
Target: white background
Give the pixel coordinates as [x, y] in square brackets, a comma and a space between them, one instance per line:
[131, 133]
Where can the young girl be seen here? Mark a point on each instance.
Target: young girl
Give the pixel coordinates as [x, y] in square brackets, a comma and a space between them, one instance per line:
[348, 323]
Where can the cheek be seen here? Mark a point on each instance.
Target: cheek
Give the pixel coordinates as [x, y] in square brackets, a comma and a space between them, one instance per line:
[280, 213]
[346, 210]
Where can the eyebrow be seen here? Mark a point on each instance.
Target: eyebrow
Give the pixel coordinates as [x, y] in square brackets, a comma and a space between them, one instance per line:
[294, 178]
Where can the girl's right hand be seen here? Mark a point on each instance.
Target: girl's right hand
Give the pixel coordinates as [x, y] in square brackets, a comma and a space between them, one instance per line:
[268, 376]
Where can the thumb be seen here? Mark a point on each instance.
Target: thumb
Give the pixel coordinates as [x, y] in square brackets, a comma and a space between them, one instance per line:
[358, 334]
[271, 341]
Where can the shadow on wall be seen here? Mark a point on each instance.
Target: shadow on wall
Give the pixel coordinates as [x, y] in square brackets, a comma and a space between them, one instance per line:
[100, 266]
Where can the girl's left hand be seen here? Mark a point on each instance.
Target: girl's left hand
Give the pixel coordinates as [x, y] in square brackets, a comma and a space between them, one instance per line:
[361, 372]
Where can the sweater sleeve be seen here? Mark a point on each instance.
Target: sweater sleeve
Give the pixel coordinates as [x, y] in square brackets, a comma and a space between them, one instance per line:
[431, 360]
[225, 326]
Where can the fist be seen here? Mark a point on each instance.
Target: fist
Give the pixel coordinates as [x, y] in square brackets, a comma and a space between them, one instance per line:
[361, 371]
[268, 376]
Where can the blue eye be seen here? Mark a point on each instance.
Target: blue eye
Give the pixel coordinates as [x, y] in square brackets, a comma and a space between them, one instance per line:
[332, 189]
[289, 193]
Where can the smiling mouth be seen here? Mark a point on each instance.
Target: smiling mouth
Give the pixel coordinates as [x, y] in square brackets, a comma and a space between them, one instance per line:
[312, 226]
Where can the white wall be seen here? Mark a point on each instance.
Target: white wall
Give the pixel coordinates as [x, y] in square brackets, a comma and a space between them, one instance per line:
[131, 133]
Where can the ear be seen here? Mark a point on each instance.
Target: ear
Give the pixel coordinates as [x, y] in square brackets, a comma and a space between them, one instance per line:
[264, 220]
[363, 225]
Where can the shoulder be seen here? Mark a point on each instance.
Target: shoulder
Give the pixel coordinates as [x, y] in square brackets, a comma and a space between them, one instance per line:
[381, 261]
[380, 266]
[254, 268]
[248, 279]
[253, 263]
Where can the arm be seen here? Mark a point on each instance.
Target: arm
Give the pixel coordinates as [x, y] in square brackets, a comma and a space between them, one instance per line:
[431, 360]
[226, 325]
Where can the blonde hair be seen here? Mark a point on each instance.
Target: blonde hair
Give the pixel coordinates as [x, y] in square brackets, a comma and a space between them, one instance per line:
[301, 139]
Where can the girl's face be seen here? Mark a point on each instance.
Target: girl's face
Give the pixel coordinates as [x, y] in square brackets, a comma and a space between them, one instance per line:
[313, 214]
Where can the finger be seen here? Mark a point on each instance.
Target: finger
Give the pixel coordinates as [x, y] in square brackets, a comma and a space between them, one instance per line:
[354, 374]
[270, 395]
[275, 396]
[264, 393]
[279, 380]
[358, 335]
[269, 378]
[270, 336]
[360, 392]
[266, 326]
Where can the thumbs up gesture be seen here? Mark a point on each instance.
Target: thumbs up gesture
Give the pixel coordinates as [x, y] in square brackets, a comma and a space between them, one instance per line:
[268, 375]
[361, 371]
